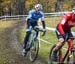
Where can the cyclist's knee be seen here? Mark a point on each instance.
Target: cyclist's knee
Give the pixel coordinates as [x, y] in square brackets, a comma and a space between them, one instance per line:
[70, 42]
[71, 39]
[61, 40]
[28, 33]
[60, 44]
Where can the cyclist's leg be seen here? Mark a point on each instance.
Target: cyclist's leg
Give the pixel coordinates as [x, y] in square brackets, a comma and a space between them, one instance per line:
[57, 48]
[36, 31]
[62, 40]
[70, 40]
[26, 38]
[28, 32]
[36, 28]
[58, 45]
[70, 44]
[70, 58]
[30, 25]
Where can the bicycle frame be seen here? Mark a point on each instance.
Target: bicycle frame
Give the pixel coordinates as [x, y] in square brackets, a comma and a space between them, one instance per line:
[69, 50]
[33, 33]
[33, 37]
[34, 46]
[31, 40]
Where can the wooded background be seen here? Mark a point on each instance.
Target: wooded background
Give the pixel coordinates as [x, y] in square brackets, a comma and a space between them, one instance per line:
[15, 7]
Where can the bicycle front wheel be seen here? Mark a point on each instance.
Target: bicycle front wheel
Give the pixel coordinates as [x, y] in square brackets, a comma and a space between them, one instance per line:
[50, 61]
[34, 50]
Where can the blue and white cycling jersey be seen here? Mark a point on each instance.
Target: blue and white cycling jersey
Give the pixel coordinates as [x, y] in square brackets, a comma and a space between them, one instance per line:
[34, 16]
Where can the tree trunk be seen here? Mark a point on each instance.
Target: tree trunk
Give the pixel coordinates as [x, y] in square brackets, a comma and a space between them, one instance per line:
[58, 6]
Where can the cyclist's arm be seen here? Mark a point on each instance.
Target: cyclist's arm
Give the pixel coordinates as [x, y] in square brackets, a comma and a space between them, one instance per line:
[62, 24]
[44, 27]
[60, 27]
[43, 22]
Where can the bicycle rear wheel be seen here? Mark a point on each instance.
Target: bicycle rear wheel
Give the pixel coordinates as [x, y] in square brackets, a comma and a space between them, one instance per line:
[71, 57]
[34, 50]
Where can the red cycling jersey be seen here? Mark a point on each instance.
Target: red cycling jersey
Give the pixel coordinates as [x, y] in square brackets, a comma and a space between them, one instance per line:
[66, 23]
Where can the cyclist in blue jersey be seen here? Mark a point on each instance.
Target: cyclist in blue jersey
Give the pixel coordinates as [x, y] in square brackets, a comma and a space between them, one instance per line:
[32, 20]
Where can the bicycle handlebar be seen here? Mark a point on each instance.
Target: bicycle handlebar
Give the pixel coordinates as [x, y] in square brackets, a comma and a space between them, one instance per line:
[38, 30]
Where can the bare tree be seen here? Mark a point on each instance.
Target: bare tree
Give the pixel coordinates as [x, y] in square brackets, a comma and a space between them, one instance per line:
[58, 5]
[19, 6]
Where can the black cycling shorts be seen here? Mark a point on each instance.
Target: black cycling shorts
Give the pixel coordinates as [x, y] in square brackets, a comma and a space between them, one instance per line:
[66, 36]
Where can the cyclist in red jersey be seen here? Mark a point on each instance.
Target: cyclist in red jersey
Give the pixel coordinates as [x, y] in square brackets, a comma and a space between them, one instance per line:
[63, 31]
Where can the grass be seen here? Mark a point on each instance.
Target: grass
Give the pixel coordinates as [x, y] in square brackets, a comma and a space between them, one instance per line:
[6, 24]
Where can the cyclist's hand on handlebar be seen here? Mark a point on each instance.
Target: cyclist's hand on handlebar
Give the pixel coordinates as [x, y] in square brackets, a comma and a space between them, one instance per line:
[44, 32]
[64, 36]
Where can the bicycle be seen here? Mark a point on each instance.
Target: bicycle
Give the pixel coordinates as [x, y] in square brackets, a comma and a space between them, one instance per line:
[69, 55]
[33, 45]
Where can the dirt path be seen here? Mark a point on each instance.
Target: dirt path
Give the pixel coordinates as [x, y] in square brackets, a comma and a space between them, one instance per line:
[11, 48]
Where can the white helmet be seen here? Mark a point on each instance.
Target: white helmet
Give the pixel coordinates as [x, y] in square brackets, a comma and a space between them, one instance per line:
[73, 10]
[38, 7]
